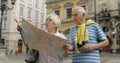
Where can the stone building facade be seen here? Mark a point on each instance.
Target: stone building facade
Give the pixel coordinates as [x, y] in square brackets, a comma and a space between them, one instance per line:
[34, 11]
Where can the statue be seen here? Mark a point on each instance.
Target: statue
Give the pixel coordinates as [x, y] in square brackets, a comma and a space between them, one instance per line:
[114, 35]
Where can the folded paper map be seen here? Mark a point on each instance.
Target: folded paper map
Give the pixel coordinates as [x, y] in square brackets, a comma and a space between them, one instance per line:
[40, 40]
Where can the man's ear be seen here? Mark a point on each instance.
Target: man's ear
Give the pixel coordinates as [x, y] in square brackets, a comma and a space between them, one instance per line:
[83, 14]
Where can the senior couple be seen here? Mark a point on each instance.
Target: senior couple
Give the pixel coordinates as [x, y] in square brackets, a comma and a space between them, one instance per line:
[85, 37]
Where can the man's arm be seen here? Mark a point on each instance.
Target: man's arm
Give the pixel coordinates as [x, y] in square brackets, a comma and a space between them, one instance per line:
[99, 45]
[102, 44]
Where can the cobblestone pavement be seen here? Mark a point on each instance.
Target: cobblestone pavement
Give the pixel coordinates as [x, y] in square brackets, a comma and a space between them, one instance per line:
[105, 58]
[110, 58]
[16, 58]
[3, 58]
[20, 59]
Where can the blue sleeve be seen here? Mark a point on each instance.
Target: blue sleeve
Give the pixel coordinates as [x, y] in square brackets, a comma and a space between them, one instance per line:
[72, 34]
[99, 33]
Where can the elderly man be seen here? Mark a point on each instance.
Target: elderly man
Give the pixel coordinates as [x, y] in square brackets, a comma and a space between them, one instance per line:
[86, 38]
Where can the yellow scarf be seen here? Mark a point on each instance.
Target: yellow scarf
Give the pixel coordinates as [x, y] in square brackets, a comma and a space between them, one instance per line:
[82, 34]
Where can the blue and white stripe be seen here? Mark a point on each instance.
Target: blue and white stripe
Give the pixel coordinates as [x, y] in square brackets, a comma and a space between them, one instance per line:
[96, 35]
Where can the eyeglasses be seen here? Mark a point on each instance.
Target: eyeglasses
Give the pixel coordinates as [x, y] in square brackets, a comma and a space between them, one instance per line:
[75, 15]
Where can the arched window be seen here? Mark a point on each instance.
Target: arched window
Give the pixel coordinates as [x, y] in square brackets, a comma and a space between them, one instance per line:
[118, 40]
[2, 42]
[82, 4]
[105, 29]
[57, 9]
[66, 31]
[57, 12]
[118, 27]
[119, 8]
[68, 10]
[20, 46]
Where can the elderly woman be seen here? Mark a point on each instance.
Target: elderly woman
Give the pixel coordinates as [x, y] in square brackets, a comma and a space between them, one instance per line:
[52, 24]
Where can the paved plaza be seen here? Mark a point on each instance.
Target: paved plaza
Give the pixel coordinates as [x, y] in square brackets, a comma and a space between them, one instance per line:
[110, 58]
[105, 58]
[3, 57]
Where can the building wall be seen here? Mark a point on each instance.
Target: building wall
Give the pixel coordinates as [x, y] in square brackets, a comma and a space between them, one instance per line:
[20, 10]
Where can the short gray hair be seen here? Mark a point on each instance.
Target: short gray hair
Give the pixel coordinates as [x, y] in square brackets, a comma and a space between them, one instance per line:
[55, 18]
[80, 9]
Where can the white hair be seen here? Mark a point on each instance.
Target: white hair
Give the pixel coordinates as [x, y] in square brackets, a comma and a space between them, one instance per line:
[55, 18]
[80, 9]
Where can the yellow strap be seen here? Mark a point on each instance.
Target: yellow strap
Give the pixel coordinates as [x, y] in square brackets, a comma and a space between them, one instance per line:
[82, 33]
